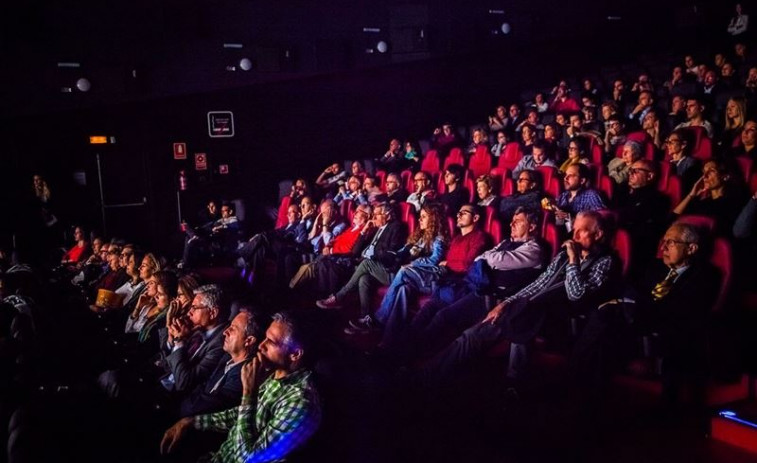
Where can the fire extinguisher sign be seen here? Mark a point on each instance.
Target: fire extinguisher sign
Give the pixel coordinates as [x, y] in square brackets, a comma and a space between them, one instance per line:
[220, 124]
[201, 161]
[179, 151]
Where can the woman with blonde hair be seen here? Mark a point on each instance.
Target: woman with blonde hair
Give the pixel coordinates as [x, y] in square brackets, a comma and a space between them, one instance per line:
[734, 120]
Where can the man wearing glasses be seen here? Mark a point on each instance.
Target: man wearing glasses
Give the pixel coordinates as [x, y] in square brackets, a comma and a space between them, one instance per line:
[422, 191]
[643, 212]
[395, 192]
[195, 344]
[674, 300]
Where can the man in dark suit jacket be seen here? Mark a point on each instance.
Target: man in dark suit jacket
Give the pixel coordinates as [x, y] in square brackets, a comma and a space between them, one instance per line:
[674, 299]
[195, 344]
[379, 258]
[223, 390]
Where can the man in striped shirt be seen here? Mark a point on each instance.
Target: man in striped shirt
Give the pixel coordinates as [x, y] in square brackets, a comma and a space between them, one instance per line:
[280, 407]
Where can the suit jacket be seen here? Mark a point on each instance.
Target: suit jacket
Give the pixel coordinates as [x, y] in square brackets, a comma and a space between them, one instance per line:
[228, 394]
[189, 371]
[388, 243]
[681, 316]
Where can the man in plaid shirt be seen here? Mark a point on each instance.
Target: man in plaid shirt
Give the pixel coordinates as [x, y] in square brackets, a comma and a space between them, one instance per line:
[277, 414]
[576, 275]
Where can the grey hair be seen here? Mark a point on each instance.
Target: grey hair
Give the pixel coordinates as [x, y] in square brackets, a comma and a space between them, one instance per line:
[213, 297]
[689, 232]
[635, 148]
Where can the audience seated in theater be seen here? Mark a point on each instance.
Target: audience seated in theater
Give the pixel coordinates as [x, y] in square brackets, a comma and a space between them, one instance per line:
[352, 191]
[674, 299]
[128, 380]
[278, 243]
[455, 194]
[444, 139]
[686, 167]
[394, 159]
[395, 191]
[733, 123]
[145, 309]
[115, 273]
[590, 122]
[644, 105]
[552, 141]
[420, 259]
[331, 179]
[194, 343]
[710, 88]
[609, 108]
[527, 138]
[422, 275]
[717, 194]
[539, 157]
[279, 413]
[562, 102]
[412, 155]
[695, 115]
[692, 68]
[676, 82]
[220, 236]
[371, 191]
[532, 118]
[380, 258]
[677, 114]
[576, 155]
[327, 225]
[478, 138]
[300, 189]
[79, 252]
[619, 168]
[527, 195]
[223, 388]
[128, 293]
[340, 248]
[615, 135]
[577, 197]
[728, 78]
[423, 192]
[651, 126]
[573, 129]
[514, 119]
[498, 148]
[503, 270]
[540, 103]
[485, 192]
[642, 84]
[643, 212]
[576, 279]
[621, 96]
[498, 122]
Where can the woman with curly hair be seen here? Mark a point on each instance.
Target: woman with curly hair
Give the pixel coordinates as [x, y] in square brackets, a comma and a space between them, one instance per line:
[425, 250]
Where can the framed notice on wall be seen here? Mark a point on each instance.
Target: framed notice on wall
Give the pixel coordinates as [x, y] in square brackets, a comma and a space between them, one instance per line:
[220, 124]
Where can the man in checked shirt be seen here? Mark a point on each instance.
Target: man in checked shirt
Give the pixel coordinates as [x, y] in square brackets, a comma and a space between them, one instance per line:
[577, 277]
[280, 407]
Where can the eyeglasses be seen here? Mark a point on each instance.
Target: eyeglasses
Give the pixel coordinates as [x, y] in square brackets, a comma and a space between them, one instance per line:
[197, 307]
[670, 242]
[637, 170]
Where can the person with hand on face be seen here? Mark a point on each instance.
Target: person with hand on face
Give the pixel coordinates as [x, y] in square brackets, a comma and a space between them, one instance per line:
[577, 196]
[300, 189]
[393, 160]
[444, 139]
[280, 408]
[651, 125]
[499, 120]
[351, 192]
[715, 195]
[326, 227]
[331, 178]
[498, 149]
[223, 389]
[423, 190]
[576, 277]
[194, 343]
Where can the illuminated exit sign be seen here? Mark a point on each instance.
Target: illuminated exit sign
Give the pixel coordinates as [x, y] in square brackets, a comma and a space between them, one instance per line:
[101, 140]
[220, 124]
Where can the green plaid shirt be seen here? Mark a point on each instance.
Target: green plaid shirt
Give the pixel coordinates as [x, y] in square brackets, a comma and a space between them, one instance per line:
[288, 413]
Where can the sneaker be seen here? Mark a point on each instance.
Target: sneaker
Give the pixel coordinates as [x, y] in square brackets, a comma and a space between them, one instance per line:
[329, 303]
[364, 323]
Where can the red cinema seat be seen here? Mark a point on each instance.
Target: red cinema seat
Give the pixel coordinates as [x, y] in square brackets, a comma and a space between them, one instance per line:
[510, 158]
[606, 186]
[406, 178]
[490, 215]
[406, 210]
[753, 183]
[547, 173]
[411, 221]
[471, 186]
[722, 259]
[381, 179]
[554, 187]
[455, 157]
[745, 165]
[508, 186]
[552, 237]
[702, 222]
[281, 217]
[481, 162]
[430, 162]
[673, 191]
[451, 223]
[496, 231]
[663, 176]
[622, 245]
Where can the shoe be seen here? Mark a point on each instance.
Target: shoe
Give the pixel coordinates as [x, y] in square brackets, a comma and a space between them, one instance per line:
[329, 303]
[362, 323]
[360, 326]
